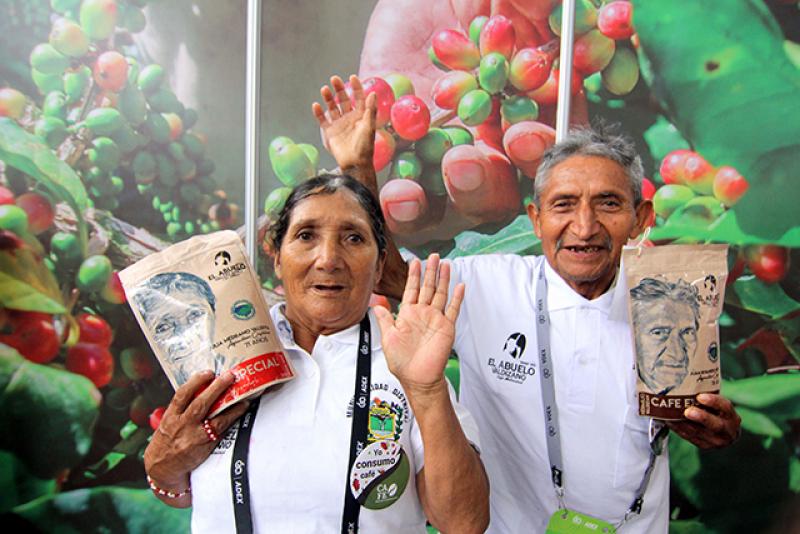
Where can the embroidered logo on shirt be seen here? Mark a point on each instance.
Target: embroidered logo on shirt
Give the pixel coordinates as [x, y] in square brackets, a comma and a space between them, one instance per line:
[388, 412]
[509, 365]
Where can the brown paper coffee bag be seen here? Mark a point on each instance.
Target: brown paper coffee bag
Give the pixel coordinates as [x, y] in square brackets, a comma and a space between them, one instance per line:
[675, 297]
[200, 306]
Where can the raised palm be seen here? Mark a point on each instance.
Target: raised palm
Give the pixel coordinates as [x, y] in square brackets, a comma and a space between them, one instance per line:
[418, 342]
[348, 123]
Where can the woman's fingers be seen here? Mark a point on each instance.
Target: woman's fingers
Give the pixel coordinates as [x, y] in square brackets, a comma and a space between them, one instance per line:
[185, 393]
[385, 320]
[223, 421]
[455, 302]
[199, 407]
[411, 292]
[429, 281]
[440, 297]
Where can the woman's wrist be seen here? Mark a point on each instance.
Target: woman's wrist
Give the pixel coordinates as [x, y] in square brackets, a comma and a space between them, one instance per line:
[426, 396]
[169, 491]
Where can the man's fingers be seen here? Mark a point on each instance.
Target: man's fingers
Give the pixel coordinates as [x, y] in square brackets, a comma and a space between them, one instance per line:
[199, 407]
[411, 292]
[455, 302]
[442, 286]
[702, 417]
[429, 281]
[717, 402]
[341, 94]
[372, 108]
[185, 393]
[327, 97]
[223, 421]
[319, 113]
[358, 91]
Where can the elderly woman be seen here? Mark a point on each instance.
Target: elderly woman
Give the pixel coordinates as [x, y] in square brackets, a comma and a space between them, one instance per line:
[368, 436]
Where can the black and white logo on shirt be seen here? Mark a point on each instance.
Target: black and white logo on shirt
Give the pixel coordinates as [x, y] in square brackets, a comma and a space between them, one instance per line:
[509, 365]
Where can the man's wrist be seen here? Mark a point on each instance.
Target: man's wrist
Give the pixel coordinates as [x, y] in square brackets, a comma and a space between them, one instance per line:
[355, 166]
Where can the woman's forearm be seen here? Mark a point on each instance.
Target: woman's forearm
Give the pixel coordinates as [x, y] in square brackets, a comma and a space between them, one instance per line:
[168, 481]
[453, 486]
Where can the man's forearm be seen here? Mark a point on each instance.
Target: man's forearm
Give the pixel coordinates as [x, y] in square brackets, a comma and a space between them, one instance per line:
[395, 270]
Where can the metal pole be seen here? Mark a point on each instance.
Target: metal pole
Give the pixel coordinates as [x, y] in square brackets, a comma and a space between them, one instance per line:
[252, 127]
[565, 69]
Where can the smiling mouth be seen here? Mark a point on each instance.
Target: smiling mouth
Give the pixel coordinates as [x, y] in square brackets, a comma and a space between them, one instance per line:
[328, 288]
[584, 249]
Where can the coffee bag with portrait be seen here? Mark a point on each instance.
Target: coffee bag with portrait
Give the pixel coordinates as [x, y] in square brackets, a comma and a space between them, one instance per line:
[675, 297]
[200, 306]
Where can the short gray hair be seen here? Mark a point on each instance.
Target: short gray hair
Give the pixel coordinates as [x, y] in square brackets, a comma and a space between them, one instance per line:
[651, 290]
[149, 294]
[590, 142]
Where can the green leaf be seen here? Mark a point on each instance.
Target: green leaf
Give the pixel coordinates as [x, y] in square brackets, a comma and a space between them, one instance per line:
[18, 295]
[27, 153]
[758, 423]
[766, 299]
[662, 138]
[516, 238]
[104, 509]
[688, 526]
[49, 414]
[794, 474]
[725, 229]
[747, 477]
[27, 284]
[730, 60]
[17, 485]
[776, 395]
[128, 446]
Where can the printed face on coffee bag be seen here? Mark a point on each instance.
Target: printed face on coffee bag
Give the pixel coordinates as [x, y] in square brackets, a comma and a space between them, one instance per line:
[200, 306]
[675, 297]
[665, 316]
[178, 309]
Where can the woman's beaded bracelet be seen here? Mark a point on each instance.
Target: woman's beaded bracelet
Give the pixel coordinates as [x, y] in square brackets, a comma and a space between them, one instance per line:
[167, 493]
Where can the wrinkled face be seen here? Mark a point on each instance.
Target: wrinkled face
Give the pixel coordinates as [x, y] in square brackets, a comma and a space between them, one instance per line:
[183, 326]
[585, 217]
[666, 337]
[328, 262]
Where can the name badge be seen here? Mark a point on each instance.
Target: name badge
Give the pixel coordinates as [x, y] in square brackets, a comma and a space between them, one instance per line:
[571, 522]
[380, 475]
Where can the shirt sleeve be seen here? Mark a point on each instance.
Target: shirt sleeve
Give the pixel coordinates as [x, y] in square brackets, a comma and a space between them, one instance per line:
[465, 419]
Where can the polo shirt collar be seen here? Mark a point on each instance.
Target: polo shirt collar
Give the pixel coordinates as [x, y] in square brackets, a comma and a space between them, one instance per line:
[560, 296]
[348, 336]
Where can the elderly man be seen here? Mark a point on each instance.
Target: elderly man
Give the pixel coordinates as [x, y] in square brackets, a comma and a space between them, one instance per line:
[562, 441]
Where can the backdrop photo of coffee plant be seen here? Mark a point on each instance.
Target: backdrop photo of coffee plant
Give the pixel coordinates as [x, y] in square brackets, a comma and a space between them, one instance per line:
[122, 130]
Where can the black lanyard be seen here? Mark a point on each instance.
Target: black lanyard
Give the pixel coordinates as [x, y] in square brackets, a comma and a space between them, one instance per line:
[358, 438]
[552, 437]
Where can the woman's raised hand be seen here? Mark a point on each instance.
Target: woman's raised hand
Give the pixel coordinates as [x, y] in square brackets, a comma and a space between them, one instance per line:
[181, 443]
[418, 342]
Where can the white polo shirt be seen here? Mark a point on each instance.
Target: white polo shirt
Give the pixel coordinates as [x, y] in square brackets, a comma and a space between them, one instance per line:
[300, 446]
[605, 443]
